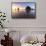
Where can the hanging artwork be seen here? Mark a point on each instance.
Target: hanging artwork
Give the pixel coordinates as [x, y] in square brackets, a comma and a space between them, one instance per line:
[23, 10]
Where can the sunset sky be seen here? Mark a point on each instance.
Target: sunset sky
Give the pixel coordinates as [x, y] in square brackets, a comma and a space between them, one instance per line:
[22, 5]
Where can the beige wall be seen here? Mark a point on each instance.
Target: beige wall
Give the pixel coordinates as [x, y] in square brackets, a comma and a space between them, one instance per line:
[40, 21]
[25, 25]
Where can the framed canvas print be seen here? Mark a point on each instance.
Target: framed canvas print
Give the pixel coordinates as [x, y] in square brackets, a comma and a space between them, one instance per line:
[23, 10]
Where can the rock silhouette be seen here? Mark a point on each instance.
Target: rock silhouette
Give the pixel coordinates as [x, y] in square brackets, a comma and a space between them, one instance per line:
[18, 9]
[28, 9]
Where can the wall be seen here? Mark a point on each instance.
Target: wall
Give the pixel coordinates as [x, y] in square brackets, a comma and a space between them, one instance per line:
[40, 21]
[25, 25]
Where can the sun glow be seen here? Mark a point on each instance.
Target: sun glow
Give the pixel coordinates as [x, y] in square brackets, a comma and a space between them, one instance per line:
[15, 8]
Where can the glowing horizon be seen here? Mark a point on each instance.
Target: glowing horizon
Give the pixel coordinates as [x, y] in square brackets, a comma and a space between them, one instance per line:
[14, 8]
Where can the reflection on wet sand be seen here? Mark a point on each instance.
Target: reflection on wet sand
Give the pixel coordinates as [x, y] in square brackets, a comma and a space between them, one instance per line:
[24, 13]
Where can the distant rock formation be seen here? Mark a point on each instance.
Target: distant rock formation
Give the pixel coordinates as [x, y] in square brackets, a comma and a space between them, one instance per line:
[28, 9]
[18, 9]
